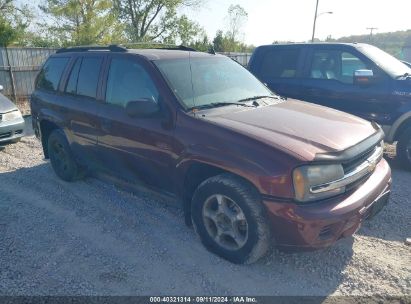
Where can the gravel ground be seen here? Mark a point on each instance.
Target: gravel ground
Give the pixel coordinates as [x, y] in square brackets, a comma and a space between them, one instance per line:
[91, 238]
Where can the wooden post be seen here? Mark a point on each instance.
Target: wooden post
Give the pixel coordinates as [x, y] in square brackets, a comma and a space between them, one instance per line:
[13, 83]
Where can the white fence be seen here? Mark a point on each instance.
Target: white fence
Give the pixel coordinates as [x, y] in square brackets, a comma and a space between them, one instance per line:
[241, 58]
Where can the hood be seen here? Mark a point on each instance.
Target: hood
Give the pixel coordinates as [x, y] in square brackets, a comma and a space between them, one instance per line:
[299, 128]
[6, 105]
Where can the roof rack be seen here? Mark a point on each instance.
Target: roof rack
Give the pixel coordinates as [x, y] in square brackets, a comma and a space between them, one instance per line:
[124, 47]
[84, 48]
[160, 46]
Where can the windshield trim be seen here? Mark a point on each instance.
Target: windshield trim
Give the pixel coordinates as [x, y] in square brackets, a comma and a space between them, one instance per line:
[185, 108]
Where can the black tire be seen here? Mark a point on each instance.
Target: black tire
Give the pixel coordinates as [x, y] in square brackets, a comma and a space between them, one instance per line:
[248, 199]
[61, 157]
[404, 148]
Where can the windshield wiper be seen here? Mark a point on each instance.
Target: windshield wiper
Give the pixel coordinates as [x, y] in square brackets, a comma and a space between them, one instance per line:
[221, 104]
[405, 75]
[258, 97]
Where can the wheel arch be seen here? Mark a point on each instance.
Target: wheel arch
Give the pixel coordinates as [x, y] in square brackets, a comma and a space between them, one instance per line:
[195, 173]
[398, 126]
[404, 125]
[46, 127]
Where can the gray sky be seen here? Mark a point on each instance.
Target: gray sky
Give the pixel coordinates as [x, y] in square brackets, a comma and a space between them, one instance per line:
[271, 20]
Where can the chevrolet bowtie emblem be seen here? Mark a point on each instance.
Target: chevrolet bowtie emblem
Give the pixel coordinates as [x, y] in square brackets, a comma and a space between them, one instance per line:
[371, 166]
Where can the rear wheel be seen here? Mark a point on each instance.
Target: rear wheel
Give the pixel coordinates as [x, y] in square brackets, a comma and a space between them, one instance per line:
[404, 148]
[61, 157]
[230, 219]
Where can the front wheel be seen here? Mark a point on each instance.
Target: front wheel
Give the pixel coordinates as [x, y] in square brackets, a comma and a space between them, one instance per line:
[404, 148]
[230, 219]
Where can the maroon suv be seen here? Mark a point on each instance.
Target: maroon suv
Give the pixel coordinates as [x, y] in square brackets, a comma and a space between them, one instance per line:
[251, 168]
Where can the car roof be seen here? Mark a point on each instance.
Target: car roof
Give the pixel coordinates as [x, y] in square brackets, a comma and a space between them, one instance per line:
[354, 44]
[163, 54]
[150, 54]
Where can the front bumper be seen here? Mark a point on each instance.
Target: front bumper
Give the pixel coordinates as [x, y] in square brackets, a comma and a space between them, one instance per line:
[11, 130]
[318, 225]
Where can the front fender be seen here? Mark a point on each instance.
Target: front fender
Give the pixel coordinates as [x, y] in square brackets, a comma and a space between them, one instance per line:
[269, 178]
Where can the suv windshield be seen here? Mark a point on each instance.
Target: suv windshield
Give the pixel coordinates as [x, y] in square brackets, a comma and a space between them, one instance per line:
[385, 61]
[200, 81]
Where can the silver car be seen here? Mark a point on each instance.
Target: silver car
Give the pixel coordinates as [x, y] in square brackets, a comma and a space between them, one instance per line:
[11, 121]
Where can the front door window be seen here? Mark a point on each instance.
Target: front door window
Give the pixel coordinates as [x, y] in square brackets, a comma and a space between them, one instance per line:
[129, 81]
[335, 65]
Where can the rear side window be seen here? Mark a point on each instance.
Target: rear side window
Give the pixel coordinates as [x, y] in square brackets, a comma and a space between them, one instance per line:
[49, 76]
[71, 87]
[88, 76]
[280, 63]
[84, 77]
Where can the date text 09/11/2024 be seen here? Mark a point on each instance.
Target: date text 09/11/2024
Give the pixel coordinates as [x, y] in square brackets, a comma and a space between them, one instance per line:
[203, 299]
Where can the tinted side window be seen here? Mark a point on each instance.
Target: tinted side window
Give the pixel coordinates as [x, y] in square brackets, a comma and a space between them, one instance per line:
[71, 87]
[88, 76]
[334, 64]
[349, 64]
[128, 81]
[324, 64]
[280, 63]
[49, 76]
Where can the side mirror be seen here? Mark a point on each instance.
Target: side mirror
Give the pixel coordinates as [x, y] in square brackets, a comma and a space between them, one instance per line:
[144, 107]
[1, 88]
[363, 77]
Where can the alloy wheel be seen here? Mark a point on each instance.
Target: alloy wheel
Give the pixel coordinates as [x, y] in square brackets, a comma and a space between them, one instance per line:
[225, 222]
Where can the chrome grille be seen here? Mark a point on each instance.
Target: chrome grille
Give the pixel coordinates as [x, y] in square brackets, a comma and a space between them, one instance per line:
[358, 160]
[5, 135]
[362, 168]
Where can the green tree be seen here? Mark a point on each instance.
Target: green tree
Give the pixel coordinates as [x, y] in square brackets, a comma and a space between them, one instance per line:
[7, 32]
[231, 40]
[237, 17]
[188, 31]
[218, 41]
[14, 21]
[391, 42]
[35, 39]
[81, 22]
[202, 44]
[156, 20]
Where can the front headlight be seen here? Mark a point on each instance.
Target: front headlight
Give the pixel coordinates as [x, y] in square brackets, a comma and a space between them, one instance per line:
[306, 178]
[11, 115]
